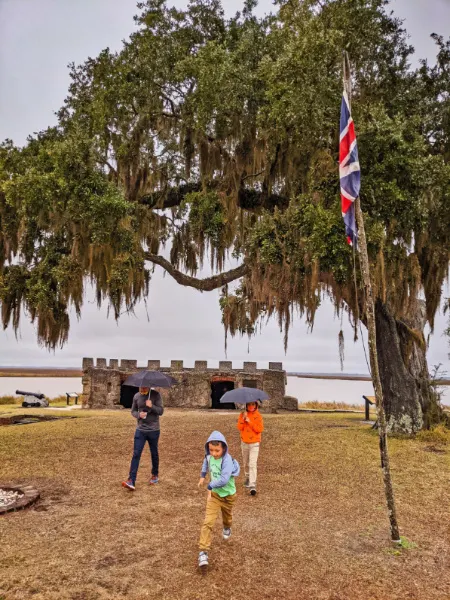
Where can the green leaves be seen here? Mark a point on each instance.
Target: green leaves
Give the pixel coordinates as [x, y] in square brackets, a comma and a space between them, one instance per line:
[207, 215]
[59, 213]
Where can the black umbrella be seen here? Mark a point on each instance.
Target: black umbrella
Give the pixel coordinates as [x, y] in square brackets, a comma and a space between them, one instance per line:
[244, 395]
[150, 379]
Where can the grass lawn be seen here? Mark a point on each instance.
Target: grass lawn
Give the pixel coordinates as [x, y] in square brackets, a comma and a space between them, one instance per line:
[317, 530]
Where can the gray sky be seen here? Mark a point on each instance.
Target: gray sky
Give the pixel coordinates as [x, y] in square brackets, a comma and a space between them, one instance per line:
[38, 38]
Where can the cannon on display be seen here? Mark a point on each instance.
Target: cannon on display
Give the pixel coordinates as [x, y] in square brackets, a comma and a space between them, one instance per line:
[33, 399]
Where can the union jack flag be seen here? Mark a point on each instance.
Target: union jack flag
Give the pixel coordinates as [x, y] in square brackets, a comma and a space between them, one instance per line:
[349, 170]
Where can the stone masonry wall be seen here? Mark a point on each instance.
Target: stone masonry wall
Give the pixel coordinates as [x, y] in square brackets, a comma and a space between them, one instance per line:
[102, 382]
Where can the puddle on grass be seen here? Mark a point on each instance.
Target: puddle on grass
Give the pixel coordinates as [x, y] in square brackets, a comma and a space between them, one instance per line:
[28, 419]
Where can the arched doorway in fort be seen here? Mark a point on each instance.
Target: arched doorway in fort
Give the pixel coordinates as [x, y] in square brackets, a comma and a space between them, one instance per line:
[219, 386]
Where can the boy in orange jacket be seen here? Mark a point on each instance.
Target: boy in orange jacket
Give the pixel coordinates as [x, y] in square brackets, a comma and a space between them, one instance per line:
[250, 424]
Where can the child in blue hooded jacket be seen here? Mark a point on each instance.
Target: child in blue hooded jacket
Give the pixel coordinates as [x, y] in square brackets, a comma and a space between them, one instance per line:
[222, 470]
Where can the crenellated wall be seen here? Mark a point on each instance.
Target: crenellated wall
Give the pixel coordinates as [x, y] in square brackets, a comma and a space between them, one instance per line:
[102, 381]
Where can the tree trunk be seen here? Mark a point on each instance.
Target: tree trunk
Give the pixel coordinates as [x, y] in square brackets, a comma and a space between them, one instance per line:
[411, 403]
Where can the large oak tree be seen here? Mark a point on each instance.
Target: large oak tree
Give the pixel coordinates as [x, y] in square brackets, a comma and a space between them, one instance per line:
[215, 137]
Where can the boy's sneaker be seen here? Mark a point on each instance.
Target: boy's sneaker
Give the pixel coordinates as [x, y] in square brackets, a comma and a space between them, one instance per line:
[129, 484]
[247, 483]
[154, 479]
[226, 533]
[253, 491]
[203, 559]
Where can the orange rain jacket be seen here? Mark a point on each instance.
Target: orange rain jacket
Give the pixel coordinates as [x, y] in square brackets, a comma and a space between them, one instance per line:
[251, 432]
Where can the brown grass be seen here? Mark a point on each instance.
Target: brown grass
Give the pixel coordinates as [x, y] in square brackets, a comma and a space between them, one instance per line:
[439, 435]
[318, 529]
[316, 405]
[10, 400]
[39, 372]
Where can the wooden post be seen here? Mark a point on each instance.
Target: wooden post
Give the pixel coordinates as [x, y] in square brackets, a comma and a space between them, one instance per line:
[371, 327]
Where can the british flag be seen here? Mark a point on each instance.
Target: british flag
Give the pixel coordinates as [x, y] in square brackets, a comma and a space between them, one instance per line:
[349, 170]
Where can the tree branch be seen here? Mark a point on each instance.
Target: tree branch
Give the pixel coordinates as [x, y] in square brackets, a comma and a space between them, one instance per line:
[111, 168]
[167, 218]
[253, 175]
[248, 198]
[204, 285]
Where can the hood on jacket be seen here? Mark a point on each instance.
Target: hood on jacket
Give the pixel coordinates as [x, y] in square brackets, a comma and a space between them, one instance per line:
[216, 436]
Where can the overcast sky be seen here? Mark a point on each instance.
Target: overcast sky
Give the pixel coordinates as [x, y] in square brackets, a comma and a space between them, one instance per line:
[38, 38]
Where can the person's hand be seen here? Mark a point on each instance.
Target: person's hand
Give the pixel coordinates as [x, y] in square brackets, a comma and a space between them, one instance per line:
[209, 496]
[142, 415]
[201, 482]
[246, 419]
[148, 403]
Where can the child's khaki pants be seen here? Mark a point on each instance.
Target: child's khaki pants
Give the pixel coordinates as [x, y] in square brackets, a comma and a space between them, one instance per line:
[213, 508]
[250, 459]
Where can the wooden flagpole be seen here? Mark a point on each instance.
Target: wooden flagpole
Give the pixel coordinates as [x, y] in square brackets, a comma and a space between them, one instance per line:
[371, 327]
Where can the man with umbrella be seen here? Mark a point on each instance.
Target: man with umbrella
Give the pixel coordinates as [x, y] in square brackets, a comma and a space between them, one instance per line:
[146, 409]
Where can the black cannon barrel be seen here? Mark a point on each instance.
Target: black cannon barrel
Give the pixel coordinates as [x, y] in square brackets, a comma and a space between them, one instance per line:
[39, 396]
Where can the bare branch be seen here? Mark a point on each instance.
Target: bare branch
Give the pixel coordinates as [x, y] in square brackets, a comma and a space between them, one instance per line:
[167, 218]
[204, 285]
[112, 169]
[253, 175]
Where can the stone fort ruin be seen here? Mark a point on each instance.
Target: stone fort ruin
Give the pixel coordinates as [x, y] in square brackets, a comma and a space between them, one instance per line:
[198, 387]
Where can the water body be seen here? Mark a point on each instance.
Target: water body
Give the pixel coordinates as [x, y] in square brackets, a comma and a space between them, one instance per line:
[334, 390]
[50, 386]
[322, 390]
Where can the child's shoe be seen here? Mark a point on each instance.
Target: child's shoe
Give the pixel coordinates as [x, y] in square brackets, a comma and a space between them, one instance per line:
[247, 482]
[129, 484]
[226, 533]
[203, 559]
[154, 479]
[253, 491]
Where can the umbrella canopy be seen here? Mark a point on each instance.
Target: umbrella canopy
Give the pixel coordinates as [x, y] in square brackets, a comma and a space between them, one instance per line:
[244, 395]
[150, 379]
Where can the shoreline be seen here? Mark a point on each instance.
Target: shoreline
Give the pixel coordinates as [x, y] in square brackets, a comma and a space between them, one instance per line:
[77, 372]
[39, 372]
[346, 377]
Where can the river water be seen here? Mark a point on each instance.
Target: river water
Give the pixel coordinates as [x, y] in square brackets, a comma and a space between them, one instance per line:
[322, 390]
[50, 386]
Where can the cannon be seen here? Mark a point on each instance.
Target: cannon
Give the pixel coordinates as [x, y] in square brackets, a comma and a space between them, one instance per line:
[38, 396]
[32, 399]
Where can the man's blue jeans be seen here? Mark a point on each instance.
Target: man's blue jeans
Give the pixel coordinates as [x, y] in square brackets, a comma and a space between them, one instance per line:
[140, 437]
